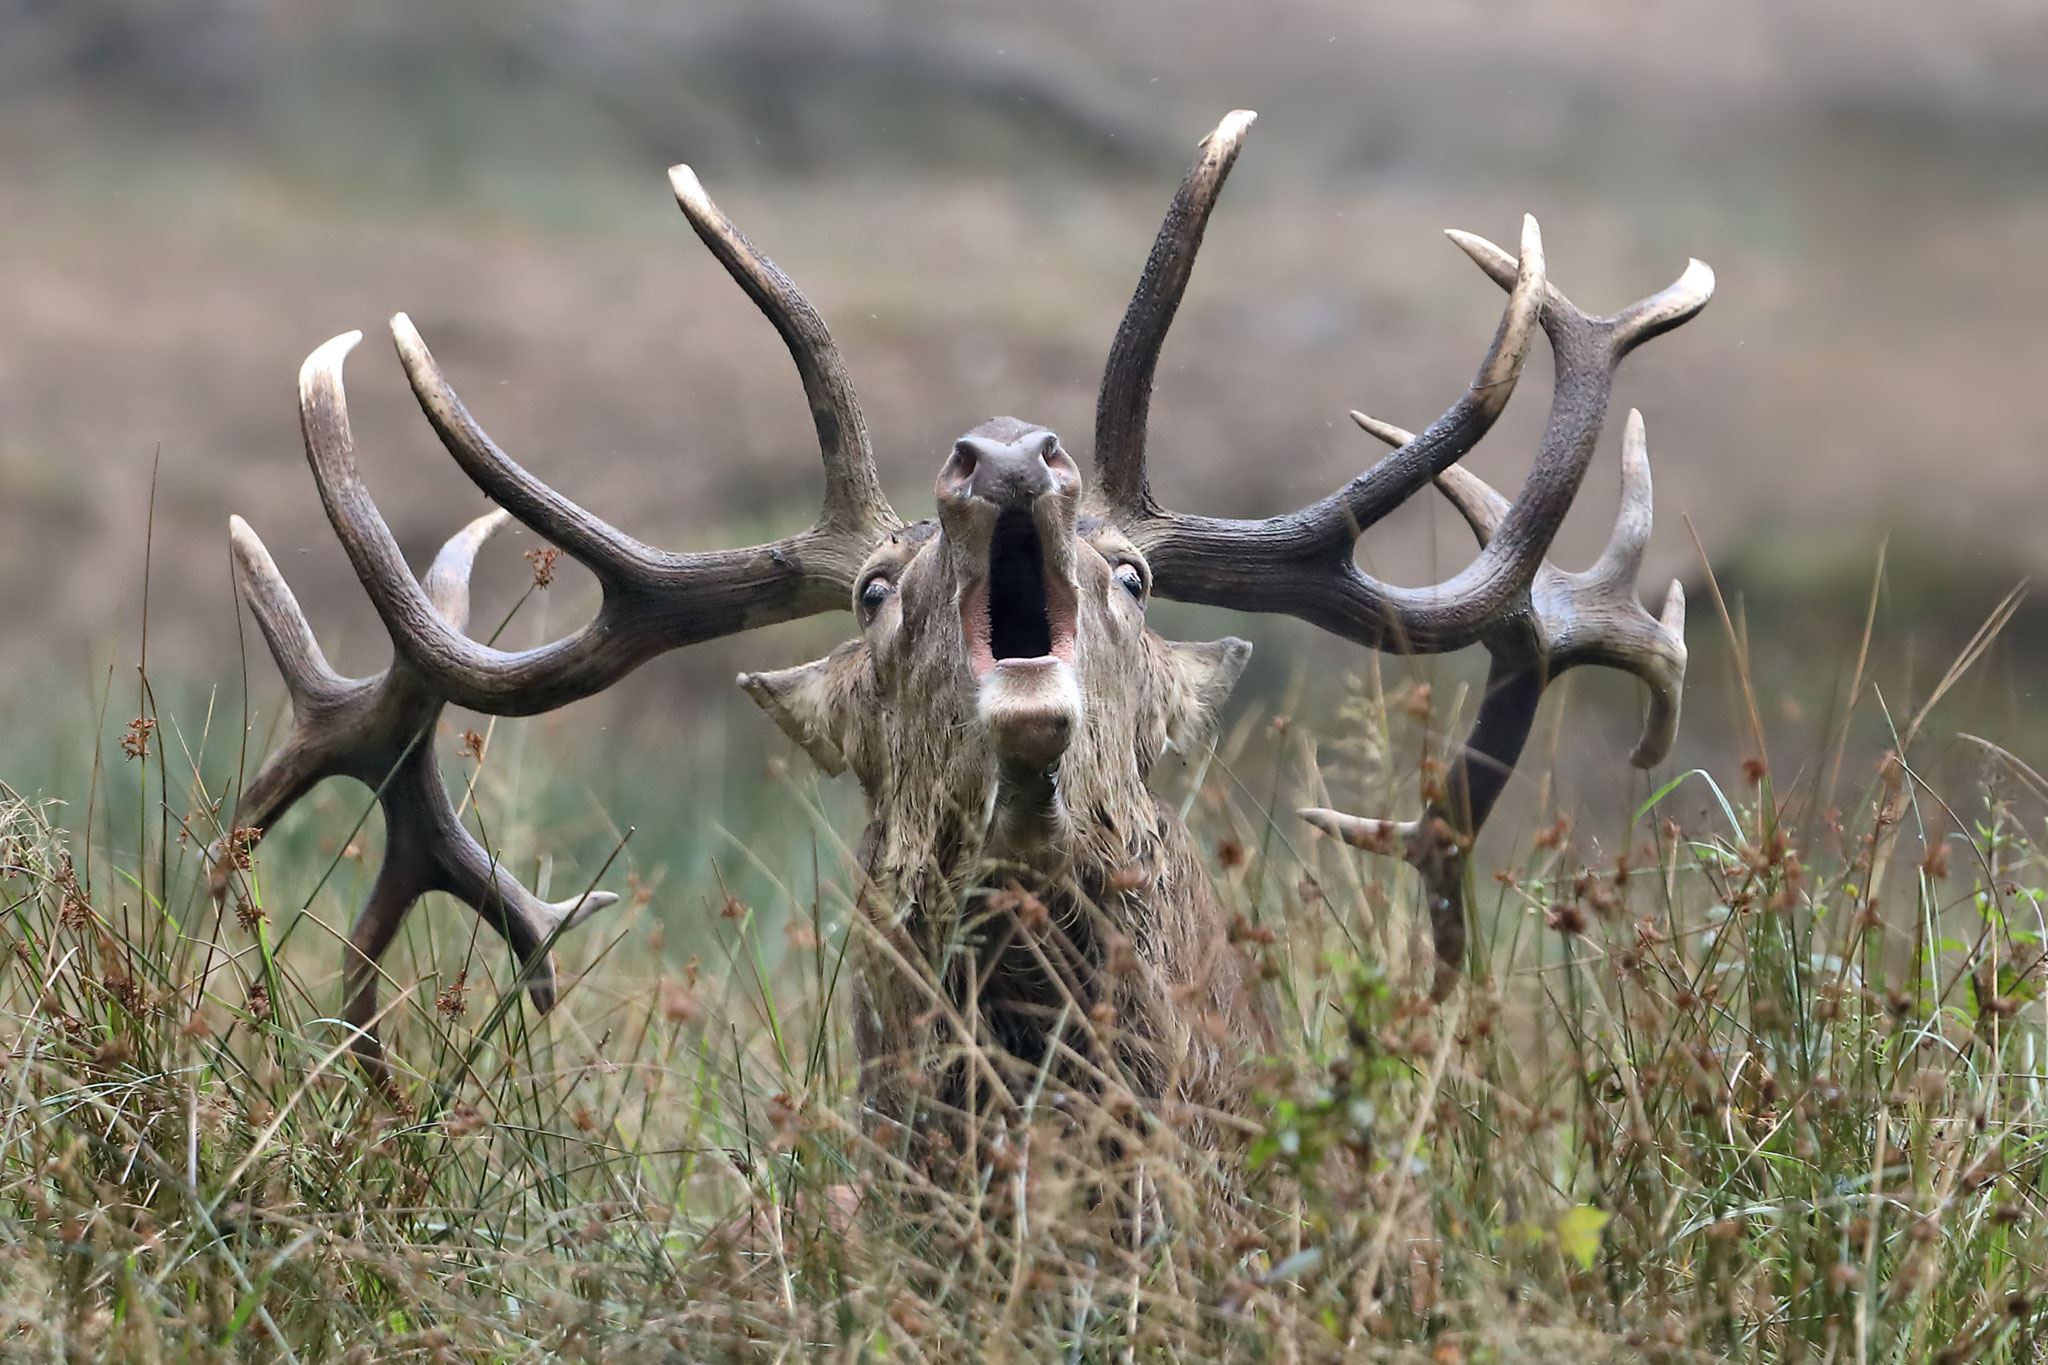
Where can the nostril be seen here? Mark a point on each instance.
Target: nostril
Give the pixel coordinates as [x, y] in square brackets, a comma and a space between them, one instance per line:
[1048, 447]
[963, 461]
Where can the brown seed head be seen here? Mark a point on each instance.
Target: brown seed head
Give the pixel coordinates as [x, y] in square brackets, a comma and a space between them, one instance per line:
[678, 1004]
[1566, 918]
[543, 562]
[135, 743]
[451, 1001]
[463, 1121]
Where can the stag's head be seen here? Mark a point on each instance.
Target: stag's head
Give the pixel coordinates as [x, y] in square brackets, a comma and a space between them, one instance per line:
[1003, 701]
[1003, 671]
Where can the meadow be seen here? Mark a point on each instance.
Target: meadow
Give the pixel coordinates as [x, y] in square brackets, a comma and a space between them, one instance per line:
[1754, 1073]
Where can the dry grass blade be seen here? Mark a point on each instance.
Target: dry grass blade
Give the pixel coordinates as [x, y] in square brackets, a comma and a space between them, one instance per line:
[1967, 657]
[1737, 645]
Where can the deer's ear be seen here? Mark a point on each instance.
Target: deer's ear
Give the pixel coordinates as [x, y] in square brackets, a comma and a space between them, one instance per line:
[1200, 679]
[812, 703]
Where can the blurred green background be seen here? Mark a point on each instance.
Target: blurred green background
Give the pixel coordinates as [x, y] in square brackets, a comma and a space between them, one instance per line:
[194, 193]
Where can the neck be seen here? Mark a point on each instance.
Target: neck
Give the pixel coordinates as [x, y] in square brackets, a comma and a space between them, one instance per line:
[1029, 819]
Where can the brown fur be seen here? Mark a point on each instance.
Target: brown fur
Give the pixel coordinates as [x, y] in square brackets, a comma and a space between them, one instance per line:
[1024, 921]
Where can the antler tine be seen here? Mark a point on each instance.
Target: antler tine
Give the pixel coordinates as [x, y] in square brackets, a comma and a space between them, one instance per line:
[379, 731]
[617, 560]
[1676, 303]
[1438, 844]
[853, 489]
[1438, 854]
[447, 580]
[1622, 558]
[1594, 617]
[1367, 499]
[428, 849]
[305, 669]
[1123, 403]
[1475, 499]
[316, 690]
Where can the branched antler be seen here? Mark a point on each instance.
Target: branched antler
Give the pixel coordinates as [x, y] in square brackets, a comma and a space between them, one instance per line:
[380, 731]
[654, 601]
[1593, 617]
[1534, 619]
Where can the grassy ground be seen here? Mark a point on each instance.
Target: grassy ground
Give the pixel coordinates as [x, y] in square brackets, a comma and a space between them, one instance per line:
[1761, 1084]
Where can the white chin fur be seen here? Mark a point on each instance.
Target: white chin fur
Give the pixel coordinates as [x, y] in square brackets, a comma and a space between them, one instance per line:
[1032, 708]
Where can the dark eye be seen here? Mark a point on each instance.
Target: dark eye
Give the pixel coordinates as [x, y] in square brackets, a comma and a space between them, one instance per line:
[874, 593]
[1129, 579]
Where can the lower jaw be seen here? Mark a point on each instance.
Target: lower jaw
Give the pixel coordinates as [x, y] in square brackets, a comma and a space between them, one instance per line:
[1032, 709]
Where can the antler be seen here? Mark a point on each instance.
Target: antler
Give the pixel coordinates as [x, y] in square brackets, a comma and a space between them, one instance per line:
[380, 731]
[1329, 528]
[1593, 617]
[1534, 619]
[653, 600]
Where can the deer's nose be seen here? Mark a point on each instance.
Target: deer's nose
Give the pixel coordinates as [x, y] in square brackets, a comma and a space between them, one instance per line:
[1005, 473]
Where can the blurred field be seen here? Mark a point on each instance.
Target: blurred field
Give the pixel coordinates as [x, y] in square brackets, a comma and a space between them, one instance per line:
[196, 194]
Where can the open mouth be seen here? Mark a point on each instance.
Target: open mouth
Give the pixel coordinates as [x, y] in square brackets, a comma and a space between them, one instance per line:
[1018, 613]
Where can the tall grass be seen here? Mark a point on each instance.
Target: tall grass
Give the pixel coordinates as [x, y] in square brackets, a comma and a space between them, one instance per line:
[1766, 1084]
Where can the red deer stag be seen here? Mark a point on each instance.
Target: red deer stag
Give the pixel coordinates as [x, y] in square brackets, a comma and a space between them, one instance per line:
[1027, 902]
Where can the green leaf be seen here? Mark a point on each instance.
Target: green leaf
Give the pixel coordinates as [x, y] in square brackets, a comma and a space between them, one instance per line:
[1578, 1234]
[1701, 773]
